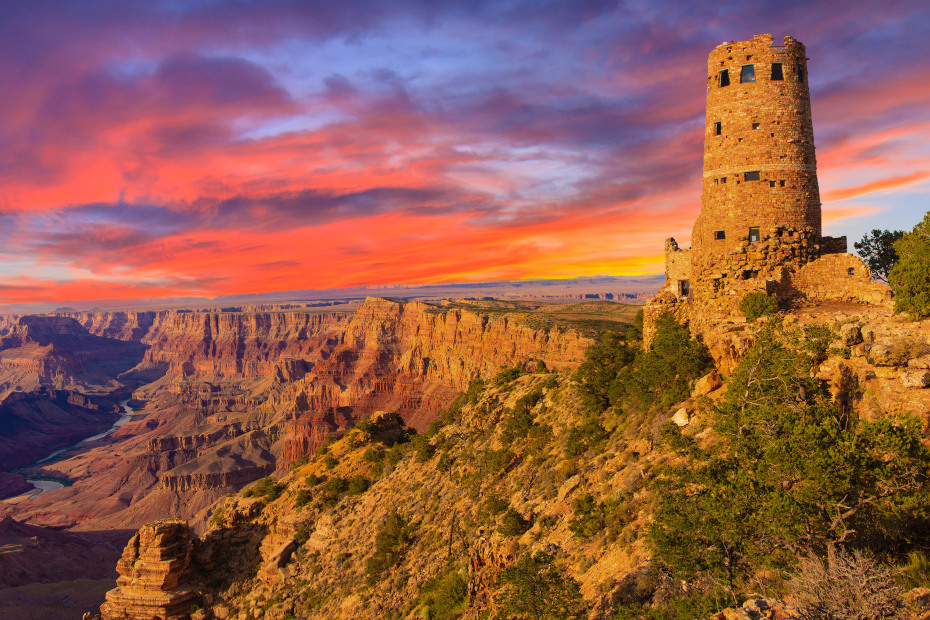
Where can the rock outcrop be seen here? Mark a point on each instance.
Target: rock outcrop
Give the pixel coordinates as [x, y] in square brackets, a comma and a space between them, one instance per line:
[154, 571]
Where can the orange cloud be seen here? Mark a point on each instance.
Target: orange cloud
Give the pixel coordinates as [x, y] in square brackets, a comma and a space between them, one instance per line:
[876, 186]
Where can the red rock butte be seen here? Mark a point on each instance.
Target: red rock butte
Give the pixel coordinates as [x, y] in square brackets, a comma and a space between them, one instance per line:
[760, 223]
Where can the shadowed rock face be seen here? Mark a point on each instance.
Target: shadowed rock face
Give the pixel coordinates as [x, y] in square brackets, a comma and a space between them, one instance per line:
[58, 384]
[34, 554]
[58, 352]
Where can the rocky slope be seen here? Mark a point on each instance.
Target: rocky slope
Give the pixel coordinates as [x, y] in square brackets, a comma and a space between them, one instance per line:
[514, 478]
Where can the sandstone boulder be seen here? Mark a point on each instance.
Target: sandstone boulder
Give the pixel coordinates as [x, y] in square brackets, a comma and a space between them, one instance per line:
[915, 379]
[707, 384]
[850, 334]
[681, 417]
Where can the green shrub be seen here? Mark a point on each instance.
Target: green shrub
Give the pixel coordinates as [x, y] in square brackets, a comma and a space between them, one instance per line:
[507, 375]
[495, 461]
[302, 498]
[493, 505]
[330, 461]
[299, 462]
[444, 464]
[756, 304]
[394, 456]
[390, 544]
[313, 479]
[587, 518]
[916, 571]
[373, 455]
[358, 485]
[367, 425]
[586, 436]
[302, 534]
[424, 448]
[910, 277]
[662, 375]
[446, 597]
[332, 490]
[217, 519]
[534, 587]
[267, 489]
[513, 524]
[603, 362]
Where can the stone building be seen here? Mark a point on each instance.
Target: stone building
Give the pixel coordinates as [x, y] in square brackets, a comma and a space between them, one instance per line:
[760, 223]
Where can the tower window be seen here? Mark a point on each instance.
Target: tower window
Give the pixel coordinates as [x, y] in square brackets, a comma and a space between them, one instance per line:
[851, 271]
[771, 183]
[781, 183]
[684, 287]
[754, 234]
[800, 73]
[776, 71]
[755, 125]
[718, 128]
[750, 274]
[752, 175]
[725, 77]
[723, 179]
[719, 235]
[748, 74]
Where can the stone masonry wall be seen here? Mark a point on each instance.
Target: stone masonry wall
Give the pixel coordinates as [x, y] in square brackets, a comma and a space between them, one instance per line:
[840, 277]
[677, 267]
[719, 280]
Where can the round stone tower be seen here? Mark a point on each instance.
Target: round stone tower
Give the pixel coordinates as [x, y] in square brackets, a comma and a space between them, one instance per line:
[759, 165]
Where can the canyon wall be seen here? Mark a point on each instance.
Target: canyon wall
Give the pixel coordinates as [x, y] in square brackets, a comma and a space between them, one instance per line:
[229, 397]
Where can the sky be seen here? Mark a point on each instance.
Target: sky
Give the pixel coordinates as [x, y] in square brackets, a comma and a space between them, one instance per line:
[198, 148]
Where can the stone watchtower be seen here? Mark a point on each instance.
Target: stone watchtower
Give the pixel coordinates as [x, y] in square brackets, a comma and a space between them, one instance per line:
[760, 224]
[759, 166]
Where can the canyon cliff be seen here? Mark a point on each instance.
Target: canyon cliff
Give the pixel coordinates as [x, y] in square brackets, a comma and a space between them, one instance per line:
[226, 398]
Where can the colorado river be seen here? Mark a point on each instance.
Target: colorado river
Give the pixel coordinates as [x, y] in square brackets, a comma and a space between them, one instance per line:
[44, 485]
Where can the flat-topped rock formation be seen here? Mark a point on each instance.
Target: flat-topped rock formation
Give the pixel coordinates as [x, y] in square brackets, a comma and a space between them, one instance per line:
[153, 570]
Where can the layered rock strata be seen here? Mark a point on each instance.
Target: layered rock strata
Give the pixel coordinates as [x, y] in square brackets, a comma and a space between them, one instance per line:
[154, 571]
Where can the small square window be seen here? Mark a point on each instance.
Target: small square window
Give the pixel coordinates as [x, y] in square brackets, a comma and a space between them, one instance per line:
[750, 274]
[739, 139]
[755, 125]
[718, 128]
[719, 235]
[752, 175]
[851, 271]
[781, 183]
[754, 234]
[776, 71]
[723, 179]
[725, 77]
[771, 183]
[748, 74]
